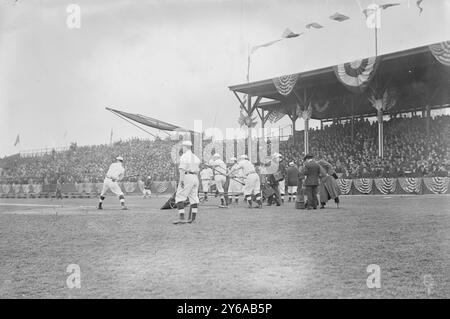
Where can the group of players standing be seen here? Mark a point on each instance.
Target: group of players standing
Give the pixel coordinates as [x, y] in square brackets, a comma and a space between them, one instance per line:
[269, 181]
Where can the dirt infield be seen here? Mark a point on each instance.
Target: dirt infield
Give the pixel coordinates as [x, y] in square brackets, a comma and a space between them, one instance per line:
[276, 252]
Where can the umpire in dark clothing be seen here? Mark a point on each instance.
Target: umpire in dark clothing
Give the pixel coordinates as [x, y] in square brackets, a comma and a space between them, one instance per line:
[311, 171]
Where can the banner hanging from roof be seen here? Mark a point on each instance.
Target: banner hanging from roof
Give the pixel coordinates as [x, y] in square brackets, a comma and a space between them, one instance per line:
[285, 84]
[356, 75]
[441, 51]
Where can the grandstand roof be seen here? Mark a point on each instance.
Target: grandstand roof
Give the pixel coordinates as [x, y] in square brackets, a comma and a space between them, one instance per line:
[416, 76]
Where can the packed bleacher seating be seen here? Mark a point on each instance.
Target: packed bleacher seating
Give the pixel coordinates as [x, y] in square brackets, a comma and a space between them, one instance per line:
[90, 163]
[409, 152]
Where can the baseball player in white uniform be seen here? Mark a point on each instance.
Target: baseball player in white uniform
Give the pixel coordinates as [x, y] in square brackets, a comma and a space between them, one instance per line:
[237, 176]
[220, 171]
[252, 185]
[206, 176]
[115, 173]
[188, 185]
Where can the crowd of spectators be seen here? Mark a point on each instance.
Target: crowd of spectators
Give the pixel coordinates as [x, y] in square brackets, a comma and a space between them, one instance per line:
[410, 149]
[90, 163]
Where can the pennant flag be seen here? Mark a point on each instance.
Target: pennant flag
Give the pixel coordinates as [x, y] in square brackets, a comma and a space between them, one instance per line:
[17, 140]
[148, 121]
[387, 5]
[339, 17]
[313, 25]
[287, 34]
[369, 11]
[256, 47]
[418, 3]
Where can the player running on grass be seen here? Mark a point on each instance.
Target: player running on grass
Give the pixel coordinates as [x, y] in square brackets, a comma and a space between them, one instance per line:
[115, 173]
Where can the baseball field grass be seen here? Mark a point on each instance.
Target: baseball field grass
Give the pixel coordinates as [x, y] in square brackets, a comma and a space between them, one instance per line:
[275, 252]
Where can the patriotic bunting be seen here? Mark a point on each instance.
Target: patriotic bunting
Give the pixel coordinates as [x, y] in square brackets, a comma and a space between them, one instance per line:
[37, 188]
[274, 116]
[345, 185]
[6, 188]
[363, 185]
[285, 84]
[129, 187]
[322, 108]
[356, 75]
[441, 51]
[17, 188]
[99, 187]
[26, 188]
[386, 185]
[161, 187]
[437, 185]
[411, 184]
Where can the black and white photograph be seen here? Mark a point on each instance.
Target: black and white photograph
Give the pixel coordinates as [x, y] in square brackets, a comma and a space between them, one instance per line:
[224, 154]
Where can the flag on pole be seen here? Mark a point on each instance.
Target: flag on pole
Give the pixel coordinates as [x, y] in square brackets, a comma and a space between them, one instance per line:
[17, 140]
[418, 3]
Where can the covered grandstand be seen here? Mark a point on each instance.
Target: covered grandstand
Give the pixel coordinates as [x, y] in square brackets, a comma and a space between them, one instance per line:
[412, 80]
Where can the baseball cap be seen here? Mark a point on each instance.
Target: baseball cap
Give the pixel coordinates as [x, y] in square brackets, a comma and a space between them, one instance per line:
[119, 158]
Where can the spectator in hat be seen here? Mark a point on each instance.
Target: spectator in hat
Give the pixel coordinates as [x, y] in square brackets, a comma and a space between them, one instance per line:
[311, 171]
[292, 174]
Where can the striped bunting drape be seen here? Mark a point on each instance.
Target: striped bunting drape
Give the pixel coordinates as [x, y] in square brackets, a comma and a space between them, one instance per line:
[441, 51]
[356, 75]
[363, 185]
[285, 84]
[437, 185]
[386, 185]
[411, 184]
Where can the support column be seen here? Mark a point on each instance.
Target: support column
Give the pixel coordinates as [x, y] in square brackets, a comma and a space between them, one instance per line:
[428, 119]
[380, 133]
[353, 129]
[306, 120]
[249, 131]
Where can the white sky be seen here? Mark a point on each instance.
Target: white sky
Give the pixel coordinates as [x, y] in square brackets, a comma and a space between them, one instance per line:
[171, 60]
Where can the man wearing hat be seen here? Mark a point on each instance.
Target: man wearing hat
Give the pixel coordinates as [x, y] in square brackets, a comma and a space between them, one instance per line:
[206, 175]
[280, 175]
[188, 184]
[292, 173]
[311, 171]
[235, 187]
[220, 170]
[115, 173]
[252, 185]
